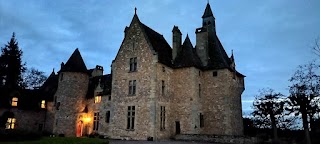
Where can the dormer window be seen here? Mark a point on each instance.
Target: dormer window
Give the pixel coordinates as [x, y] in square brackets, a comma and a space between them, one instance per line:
[14, 101]
[97, 99]
[43, 104]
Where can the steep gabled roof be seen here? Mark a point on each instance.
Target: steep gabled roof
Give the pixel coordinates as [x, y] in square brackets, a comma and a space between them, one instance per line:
[159, 44]
[207, 11]
[105, 84]
[218, 58]
[75, 63]
[187, 57]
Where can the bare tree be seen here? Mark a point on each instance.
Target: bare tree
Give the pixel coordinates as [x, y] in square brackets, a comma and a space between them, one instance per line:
[268, 107]
[304, 95]
[316, 47]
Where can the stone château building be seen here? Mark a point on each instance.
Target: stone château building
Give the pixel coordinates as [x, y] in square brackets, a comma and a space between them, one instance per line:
[153, 90]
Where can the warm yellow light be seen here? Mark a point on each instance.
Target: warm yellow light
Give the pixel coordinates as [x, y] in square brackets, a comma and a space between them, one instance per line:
[14, 101]
[88, 119]
[97, 99]
[43, 104]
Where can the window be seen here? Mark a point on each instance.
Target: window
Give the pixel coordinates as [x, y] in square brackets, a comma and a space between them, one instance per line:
[55, 100]
[58, 106]
[162, 88]
[163, 69]
[109, 97]
[108, 117]
[96, 121]
[162, 118]
[40, 128]
[214, 73]
[199, 90]
[61, 77]
[133, 64]
[97, 99]
[199, 73]
[132, 87]
[10, 123]
[201, 120]
[43, 104]
[130, 117]
[14, 101]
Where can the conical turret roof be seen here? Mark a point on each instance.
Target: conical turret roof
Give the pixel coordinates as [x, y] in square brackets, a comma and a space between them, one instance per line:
[207, 12]
[75, 63]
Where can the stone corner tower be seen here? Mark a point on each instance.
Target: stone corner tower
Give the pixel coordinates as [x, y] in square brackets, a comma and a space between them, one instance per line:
[70, 98]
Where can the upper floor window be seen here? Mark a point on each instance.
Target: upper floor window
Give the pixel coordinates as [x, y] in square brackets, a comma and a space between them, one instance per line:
[61, 77]
[133, 64]
[58, 106]
[97, 99]
[199, 90]
[214, 73]
[163, 87]
[43, 104]
[14, 101]
[132, 87]
[163, 69]
[10, 123]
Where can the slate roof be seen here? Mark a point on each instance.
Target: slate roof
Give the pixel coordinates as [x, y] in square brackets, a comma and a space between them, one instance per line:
[75, 63]
[50, 86]
[187, 57]
[159, 44]
[105, 84]
[207, 11]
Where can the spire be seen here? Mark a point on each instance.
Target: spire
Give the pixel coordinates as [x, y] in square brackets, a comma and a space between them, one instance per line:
[53, 71]
[208, 11]
[232, 57]
[187, 43]
[75, 63]
[135, 10]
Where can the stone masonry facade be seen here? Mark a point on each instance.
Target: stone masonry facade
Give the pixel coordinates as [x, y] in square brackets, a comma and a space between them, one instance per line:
[154, 90]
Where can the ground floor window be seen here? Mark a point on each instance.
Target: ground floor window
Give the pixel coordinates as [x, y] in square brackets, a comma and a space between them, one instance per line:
[96, 121]
[10, 123]
[130, 117]
[108, 117]
[201, 120]
[162, 118]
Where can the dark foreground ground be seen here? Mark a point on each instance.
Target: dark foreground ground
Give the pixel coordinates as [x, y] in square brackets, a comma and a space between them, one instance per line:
[152, 142]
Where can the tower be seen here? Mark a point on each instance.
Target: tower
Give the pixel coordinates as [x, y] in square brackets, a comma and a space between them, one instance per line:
[70, 96]
[176, 41]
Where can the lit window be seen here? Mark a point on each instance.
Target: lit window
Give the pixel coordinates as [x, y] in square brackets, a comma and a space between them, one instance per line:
[43, 104]
[97, 99]
[14, 101]
[10, 123]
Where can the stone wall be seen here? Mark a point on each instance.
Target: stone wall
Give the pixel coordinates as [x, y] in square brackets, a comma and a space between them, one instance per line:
[134, 45]
[71, 93]
[29, 120]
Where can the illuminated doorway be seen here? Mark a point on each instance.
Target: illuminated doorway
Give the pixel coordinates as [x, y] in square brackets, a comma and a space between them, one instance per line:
[79, 129]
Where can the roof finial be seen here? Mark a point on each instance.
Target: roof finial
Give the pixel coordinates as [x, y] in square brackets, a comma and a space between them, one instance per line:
[135, 10]
[53, 70]
[208, 1]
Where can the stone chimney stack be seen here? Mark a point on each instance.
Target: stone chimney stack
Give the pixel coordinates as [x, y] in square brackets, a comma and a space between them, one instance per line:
[176, 41]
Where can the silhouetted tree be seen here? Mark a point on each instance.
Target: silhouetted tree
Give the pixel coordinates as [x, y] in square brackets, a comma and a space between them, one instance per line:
[304, 95]
[316, 47]
[33, 78]
[11, 64]
[269, 106]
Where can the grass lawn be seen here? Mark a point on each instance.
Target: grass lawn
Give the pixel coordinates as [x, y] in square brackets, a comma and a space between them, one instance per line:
[62, 140]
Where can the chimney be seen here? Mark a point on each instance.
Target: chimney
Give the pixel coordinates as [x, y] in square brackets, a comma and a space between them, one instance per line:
[176, 41]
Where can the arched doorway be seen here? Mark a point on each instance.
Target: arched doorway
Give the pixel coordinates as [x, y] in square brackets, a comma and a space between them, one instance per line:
[79, 129]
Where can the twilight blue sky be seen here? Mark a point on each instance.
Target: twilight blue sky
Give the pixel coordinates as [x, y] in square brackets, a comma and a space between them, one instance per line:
[270, 38]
